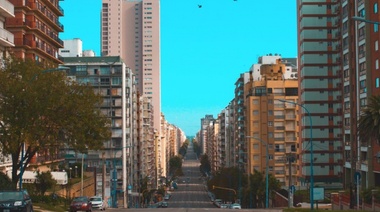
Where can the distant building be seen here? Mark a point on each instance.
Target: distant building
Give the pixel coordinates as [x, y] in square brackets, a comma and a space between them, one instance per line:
[131, 30]
[271, 123]
[72, 48]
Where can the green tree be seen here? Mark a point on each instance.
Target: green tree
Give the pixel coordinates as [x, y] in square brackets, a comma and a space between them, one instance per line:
[205, 166]
[5, 182]
[44, 181]
[44, 110]
[175, 166]
[369, 121]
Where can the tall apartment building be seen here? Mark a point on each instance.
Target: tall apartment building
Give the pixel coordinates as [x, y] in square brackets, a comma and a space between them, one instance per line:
[372, 80]
[131, 29]
[6, 37]
[271, 125]
[113, 80]
[361, 80]
[6, 42]
[320, 77]
[36, 29]
[203, 134]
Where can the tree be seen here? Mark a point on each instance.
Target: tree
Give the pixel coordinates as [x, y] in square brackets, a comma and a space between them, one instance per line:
[5, 182]
[44, 110]
[175, 165]
[44, 181]
[369, 121]
[205, 166]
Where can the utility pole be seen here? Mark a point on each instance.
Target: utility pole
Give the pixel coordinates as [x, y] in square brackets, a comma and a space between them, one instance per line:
[104, 178]
[290, 192]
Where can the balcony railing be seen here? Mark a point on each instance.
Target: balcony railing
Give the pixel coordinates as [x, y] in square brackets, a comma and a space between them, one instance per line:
[7, 9]
[6, 36]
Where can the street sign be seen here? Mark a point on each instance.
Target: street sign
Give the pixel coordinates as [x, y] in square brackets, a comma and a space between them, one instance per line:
[292, 189]
[319, 193]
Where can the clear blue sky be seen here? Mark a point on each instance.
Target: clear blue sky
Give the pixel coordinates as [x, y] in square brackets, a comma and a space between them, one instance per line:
[203, 50]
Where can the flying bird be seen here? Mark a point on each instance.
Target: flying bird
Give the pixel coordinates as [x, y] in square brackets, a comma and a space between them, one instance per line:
[199, 6]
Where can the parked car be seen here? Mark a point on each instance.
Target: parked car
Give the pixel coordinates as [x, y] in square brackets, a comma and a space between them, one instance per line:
[235, 206]
[98, 203]
[164, 205]
[224, 205]
[167, 197]
[15, 201]
[81, 204]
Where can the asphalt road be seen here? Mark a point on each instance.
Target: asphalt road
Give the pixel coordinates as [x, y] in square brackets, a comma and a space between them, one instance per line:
[191, 191]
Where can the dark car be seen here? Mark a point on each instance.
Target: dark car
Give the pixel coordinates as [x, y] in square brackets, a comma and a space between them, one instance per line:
[81, 204]
[15, 201]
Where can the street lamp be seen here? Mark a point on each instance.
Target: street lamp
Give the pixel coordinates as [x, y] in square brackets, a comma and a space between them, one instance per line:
[60, 68]
[81, 180]
[114, 178]
[311, 152]
[356, 18]
[76, 171]
[70, 171]
[266, 169]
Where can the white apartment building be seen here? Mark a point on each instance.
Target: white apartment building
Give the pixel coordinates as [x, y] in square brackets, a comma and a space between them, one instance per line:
[6, 41]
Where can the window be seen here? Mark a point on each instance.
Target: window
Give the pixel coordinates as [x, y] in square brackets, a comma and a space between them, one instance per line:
[361, 51]
[377, 82]
[375, 28]
[375, 8]
[362, 84]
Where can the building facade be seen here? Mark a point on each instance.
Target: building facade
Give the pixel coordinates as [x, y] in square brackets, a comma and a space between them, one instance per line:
[6, 42]
[6, 37]
[131, 29]
[271, 125]
[36, 29]
[320, 91]
[113, 80]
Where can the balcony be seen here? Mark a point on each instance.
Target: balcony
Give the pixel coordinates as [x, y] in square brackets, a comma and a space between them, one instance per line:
[7, 9]
[6, 38]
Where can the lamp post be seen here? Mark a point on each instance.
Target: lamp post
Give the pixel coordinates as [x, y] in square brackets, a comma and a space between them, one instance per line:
[76, 171]
[70, 171]
[266, 169]
[311, 152]
[23, 144]
[114, 178]
[81, 180]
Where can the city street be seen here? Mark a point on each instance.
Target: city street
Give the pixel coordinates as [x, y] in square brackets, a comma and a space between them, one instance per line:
[191, 191]
[191, 194]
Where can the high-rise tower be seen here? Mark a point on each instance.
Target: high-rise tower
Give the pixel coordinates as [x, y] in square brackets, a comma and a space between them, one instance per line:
[320, 91]
[131, 29]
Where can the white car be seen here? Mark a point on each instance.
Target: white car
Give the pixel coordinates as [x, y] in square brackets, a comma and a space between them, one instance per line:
[98, 203]
[235, 206]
